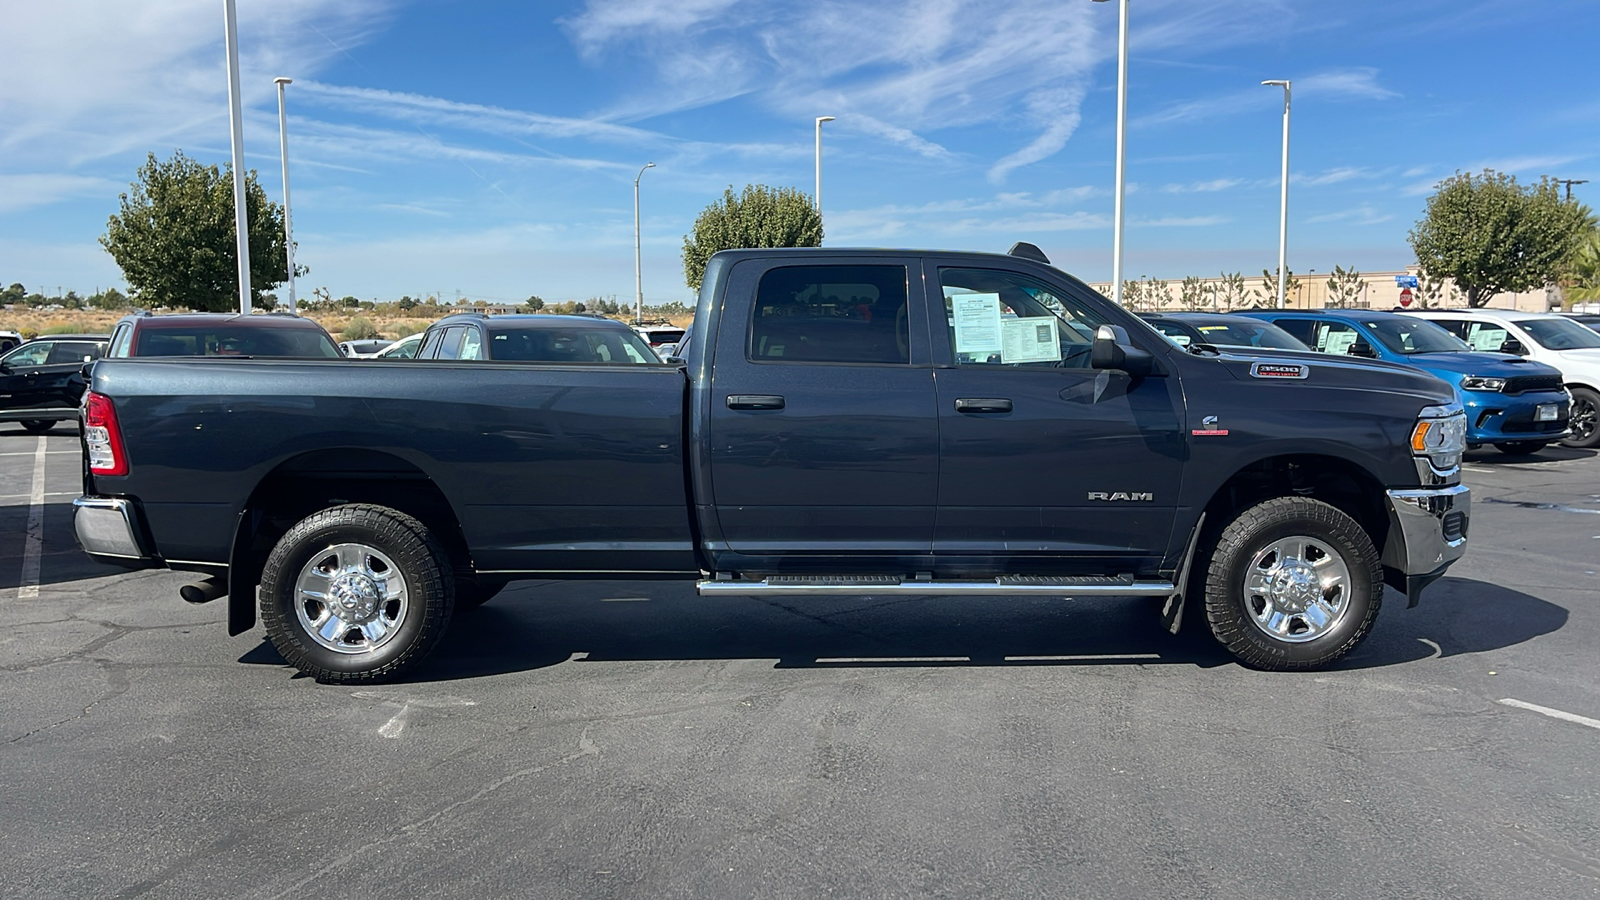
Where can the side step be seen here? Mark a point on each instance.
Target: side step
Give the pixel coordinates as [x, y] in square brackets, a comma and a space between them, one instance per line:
[1005, 585]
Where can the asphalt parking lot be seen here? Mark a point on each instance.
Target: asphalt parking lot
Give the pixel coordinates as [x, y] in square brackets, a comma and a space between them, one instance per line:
[628, 739]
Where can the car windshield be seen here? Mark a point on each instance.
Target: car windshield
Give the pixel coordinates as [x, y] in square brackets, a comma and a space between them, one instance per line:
[201, 340]
[1248, 334]
[1560, 334]
[570, 345]
[1410, 336]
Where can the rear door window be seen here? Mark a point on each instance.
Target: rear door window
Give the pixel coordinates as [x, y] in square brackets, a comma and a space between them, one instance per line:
[120, 341]
[831, 314]
[471, 345]
[450, 344]
[65, 352]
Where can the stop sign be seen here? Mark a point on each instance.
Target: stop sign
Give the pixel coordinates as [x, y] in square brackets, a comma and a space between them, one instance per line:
[1405, 296]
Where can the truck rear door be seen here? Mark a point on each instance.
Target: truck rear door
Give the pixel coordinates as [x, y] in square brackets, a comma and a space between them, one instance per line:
[823, 431]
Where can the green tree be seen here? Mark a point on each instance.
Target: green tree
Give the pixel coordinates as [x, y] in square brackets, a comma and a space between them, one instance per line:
[1492, 235]
[1433, 293]
[1193, 294]
[759, 216]
[1156, 293]
[1345, 287]
[406, 304]
[1232, 290]
[1269, 285]
[1133, 294]
[534, 303]
[174, 236]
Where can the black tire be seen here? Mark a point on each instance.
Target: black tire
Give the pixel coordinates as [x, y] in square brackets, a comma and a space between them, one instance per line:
[417, 624]
[1521, 448]
[1585, 421]
[1230, 612]
[37, 426]
[470, 594]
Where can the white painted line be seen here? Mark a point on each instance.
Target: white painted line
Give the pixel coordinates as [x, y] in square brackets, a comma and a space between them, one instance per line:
[1438, 651]
[30, 453]
[1553, 713]
[1089, 657]
[29, 497]
[396, 725]
[32, 549]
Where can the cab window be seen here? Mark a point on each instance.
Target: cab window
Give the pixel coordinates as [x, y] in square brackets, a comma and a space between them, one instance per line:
[1334, 337]
[999, 318]
[450, 344]
[1486, 336]
[120, 341]
[831, 314]
[67, 352]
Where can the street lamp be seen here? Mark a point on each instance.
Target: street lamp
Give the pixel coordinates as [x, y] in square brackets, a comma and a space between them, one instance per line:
[1283, 203]
[241, 229]
[638, 278]
[1122, 149]
[283, 151]
[820, 120]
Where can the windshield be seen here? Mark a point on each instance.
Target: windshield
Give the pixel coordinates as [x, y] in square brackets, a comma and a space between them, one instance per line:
[1408, 336]
[1248, 334]
[235, 340]
[1560, 334]
[571, 345]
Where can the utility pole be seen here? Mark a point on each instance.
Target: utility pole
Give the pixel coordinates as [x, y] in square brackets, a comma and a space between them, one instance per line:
[1569, 182]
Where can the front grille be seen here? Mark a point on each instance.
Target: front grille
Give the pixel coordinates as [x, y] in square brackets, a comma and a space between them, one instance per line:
[1455, 526]
[1522, 384]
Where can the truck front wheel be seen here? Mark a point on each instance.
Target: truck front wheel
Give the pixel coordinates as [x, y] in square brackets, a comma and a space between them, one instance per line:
[1293, 584]
[356, 594]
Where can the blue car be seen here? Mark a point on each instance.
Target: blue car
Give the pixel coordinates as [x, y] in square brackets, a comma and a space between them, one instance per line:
[1518, 405]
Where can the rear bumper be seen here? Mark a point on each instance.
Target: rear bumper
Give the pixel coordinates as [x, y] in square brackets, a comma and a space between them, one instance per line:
[1427, 532]
[42, 413]
[108, 530]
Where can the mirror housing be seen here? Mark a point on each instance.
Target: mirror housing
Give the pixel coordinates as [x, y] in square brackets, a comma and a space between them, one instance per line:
[1113, 350]
[1363, 350]
[1513, 346]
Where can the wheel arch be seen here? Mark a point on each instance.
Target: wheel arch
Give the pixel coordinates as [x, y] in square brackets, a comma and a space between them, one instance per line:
[318, 479]
[1339, 482]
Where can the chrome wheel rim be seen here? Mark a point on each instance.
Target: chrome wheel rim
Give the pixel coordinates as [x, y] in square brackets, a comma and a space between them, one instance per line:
[1297, 589]
[351, 598]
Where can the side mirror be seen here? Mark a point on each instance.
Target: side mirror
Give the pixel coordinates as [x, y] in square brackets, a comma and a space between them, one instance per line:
[1113, 350]
[1363, 349]
[1512, 345]
[88, 368]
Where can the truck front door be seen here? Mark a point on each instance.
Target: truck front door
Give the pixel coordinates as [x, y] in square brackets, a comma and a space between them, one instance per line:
[823, 434]
[1047, 466]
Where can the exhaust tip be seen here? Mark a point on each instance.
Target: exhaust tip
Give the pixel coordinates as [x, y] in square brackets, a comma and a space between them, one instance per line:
[204, 592]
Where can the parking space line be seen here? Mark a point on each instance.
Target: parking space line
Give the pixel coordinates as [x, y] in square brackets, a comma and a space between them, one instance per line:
[1552, 713]
[28, 587]
[31, 452]
[30, 496]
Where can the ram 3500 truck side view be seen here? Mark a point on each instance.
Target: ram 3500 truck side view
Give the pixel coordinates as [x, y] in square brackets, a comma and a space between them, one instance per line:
[872, 422]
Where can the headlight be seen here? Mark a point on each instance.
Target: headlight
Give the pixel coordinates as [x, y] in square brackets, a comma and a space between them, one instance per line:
[1440, 435]
[1482, 383]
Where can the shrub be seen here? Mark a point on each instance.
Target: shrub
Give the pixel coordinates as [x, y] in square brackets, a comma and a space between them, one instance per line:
[359, 328]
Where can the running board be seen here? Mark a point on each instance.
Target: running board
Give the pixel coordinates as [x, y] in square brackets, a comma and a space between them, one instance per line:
[1005, 585]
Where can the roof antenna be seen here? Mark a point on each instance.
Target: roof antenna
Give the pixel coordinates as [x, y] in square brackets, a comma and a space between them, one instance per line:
[1026, 250]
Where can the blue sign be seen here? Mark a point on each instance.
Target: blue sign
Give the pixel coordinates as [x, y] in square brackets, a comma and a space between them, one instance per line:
[1405, 281]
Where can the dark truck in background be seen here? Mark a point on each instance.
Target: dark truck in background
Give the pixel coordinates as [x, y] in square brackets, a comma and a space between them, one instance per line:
[871, 422]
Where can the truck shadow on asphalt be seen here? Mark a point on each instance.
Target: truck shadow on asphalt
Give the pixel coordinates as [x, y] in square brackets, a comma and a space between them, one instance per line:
[538, 624]
[60, 560]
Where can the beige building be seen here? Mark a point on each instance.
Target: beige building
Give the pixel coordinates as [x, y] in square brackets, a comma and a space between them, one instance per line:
[1373, 290]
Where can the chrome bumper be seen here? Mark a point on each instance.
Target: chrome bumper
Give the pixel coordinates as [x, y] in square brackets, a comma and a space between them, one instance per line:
[42, 414]
[105, 528]
[1427, 529]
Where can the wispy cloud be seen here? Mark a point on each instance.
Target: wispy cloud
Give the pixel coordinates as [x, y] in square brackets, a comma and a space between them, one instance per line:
[1339, 84]
[1203, 187]
[19, 192]
[1366, 214]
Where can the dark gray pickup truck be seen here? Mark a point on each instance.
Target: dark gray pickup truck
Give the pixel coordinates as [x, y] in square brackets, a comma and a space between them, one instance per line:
[872, 422]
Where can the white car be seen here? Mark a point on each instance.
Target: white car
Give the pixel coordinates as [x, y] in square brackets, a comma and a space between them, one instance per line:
[405, 348]
[1543, 337]
[660, 337]
[365, 348]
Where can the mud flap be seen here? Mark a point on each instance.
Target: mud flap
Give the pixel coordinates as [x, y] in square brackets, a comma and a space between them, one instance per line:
[1172, 610]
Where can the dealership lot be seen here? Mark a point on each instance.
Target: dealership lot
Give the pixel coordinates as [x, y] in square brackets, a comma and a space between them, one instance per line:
[631, 739]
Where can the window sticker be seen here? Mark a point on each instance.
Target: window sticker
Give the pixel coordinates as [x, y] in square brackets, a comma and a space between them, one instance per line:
[1488, 338]
[1337, 342]
[977, 323]
[1029, 340]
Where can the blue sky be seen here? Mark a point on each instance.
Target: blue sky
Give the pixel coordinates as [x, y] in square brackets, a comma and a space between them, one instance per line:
[489, 147]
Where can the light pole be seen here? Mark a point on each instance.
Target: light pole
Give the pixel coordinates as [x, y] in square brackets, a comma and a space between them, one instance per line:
[638, 278]
[1283, 202]
[820, 120]
[240, 219]
[1122, 149]
[283, 151]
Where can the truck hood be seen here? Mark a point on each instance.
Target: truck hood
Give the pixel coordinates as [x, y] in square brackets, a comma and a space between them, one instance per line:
[1498, 365]
[1585, 361]
[1342, 371]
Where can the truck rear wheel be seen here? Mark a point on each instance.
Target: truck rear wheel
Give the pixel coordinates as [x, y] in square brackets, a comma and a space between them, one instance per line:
[1293, 584]
[356, 594]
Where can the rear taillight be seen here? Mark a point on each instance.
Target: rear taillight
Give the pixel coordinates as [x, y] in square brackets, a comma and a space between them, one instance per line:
[103, 436]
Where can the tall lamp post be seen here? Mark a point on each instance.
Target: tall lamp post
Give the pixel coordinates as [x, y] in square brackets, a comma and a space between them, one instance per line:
[1122, 149]
[638, 277]
[240, 218]
[818, 195]
[1283, 202]
[283, 151]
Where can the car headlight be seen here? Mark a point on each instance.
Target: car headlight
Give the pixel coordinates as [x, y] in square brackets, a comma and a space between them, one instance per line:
[1482, 383]
[1440, 435]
